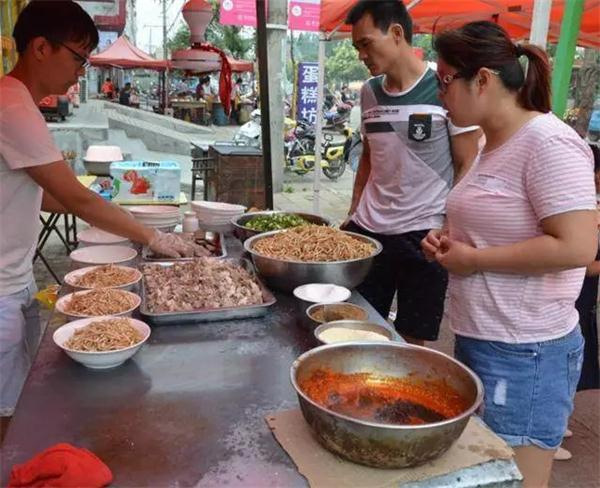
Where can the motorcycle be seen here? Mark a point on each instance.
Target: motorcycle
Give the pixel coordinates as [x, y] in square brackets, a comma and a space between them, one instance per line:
[337, 115]
[299, 146]
[300, 152]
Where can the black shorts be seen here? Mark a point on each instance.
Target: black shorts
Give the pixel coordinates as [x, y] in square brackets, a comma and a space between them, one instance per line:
[420, 285]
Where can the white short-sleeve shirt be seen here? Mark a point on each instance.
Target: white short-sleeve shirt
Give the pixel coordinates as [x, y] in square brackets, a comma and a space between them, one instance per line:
[545, 169]
[25, 141]
[411, 159]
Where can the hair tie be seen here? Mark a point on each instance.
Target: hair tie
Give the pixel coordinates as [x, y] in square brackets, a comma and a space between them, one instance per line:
[519, 51]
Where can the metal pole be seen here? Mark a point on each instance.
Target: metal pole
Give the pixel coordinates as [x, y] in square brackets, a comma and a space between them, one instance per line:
[565, 52]
[319, 126]
[263, 66]
[540, 23]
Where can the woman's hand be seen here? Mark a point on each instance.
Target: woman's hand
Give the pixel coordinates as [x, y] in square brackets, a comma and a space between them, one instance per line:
[455, 256]
[431, 243]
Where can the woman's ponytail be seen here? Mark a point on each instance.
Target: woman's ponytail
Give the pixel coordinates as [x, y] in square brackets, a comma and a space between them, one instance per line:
[535, 92]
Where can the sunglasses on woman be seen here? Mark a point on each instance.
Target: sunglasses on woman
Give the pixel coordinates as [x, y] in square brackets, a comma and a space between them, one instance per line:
[444, 81]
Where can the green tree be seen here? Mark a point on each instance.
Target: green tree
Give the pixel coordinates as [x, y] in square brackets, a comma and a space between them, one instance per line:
[181, 39]
[343, 65]
[237, 41]
[425, 42]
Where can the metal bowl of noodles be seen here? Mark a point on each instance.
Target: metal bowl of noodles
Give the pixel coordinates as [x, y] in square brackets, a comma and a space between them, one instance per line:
[285, 275]
[242, 232]
[385, 404]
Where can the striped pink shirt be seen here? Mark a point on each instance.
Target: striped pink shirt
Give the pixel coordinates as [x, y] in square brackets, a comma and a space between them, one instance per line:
[545, 169]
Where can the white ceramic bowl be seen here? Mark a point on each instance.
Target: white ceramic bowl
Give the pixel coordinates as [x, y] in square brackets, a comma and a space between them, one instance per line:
[217, 221]
[158, 221]
[217, 208]
[322, 293]
[95, 236]
[103, 254]
[70, 278]
[104, 359]
[62, 303]
[153, 210]
[106, 154]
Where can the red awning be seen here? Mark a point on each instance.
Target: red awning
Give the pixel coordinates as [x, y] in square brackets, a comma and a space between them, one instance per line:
[430, 16]
[123, 54]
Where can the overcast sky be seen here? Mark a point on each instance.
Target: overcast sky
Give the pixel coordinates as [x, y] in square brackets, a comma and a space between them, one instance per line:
[149, 13]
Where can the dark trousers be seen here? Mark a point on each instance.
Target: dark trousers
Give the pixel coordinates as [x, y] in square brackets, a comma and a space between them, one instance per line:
[402, 270]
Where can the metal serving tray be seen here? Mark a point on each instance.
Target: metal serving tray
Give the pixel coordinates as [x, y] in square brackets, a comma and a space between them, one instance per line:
[221, 253]
[208, 314]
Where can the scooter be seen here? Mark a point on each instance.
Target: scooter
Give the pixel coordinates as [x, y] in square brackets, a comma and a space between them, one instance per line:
[300, 157]
[337, 115]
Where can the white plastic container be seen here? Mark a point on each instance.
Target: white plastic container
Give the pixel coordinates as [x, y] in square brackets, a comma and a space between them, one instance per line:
[190, 222]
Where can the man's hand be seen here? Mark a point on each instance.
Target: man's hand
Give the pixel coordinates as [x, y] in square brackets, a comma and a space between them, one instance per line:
[456, 257]
[344, 225]
[170, 245]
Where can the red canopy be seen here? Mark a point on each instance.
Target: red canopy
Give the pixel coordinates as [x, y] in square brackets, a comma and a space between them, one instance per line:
[123, 54]
[430, 16]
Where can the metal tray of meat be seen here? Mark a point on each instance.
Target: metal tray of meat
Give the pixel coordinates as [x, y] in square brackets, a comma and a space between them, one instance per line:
[221, 252]
[212, 314]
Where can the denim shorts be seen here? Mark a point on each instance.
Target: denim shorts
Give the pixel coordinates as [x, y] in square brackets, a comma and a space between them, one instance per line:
[528, 388]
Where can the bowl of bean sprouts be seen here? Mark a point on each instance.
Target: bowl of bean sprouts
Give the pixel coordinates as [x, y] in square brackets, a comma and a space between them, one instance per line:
[289, 258]
[102, 342]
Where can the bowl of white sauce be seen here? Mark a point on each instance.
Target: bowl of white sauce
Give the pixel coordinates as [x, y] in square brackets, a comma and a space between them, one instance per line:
[352, 331]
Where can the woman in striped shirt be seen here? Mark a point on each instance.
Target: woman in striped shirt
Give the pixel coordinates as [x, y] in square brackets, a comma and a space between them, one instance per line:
[521, 227]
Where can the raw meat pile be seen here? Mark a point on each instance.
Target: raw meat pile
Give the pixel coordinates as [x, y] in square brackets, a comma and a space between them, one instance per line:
[199, 284]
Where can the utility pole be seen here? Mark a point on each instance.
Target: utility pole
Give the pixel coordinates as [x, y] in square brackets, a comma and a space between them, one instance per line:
[164, 26]
[276, 39]
[165, 56]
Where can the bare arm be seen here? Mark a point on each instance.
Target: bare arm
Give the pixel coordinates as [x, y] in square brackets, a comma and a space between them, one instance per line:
[362, 176]
[464, 151]
[570, 240]
[58, 180]
[49, 204]
[593, 269]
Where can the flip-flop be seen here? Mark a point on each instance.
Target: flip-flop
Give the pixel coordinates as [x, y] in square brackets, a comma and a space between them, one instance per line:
[562, 454]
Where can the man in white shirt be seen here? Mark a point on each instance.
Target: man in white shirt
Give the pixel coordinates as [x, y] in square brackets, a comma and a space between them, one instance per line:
[54, 40]
[412, 155]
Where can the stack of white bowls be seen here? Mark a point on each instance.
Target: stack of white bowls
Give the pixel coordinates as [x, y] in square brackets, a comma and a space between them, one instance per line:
[217, 216]
[98, 158]
[161, 217]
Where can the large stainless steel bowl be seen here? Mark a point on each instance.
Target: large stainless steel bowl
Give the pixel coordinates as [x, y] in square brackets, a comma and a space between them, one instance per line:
[378, 444]
[242, 232]
[287, 275]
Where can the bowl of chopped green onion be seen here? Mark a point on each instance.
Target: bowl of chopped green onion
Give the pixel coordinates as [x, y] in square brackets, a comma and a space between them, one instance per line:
[253, 223]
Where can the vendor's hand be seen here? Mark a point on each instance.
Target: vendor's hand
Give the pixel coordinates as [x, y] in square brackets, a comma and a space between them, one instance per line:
[170, 245]
[456, 257]
[344, 225]
[431, 243]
